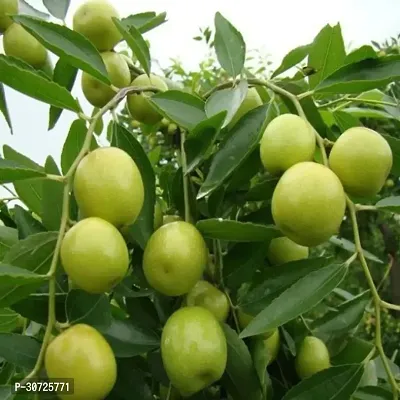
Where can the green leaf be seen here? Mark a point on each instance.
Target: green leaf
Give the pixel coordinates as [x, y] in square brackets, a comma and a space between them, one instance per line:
[359, 112]
[245, 137]
[345, 120]
[75, 48]
[391, 203]
[143, 313]
[143, 227]
[262, 190]
[145, 22]
[293, 58]
[355, 352]
[394, 144]
[360, 54]
[12, 171]
[57, 8]
[4, 108]
[372, 393]
[326, 54]
[8, 237]
[381, 371]
[27, 225]
[138, 45]
[335, 383]
[9, 320]
[229, 46]
[303, 295]
[261, 358]
[6, 392]
[154, 155]
[182, 108]
[362, 76]
[23, 78]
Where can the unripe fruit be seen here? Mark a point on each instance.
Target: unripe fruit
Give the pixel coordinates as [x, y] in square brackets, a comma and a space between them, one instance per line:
[167, 219]
[172, 129]
[138, 104]
[175, 258]
[362, 159]
[19, 43]
[283, 250]
[308, 204]
[193, 349]
[389, 183]
[94, 255]
[251, 101]
[135, 124]
[287, 140]
[312, 357]
[7, 7]
[97, 93]
[272, 345]
[82, 353]
[108, 185]
[93, 19]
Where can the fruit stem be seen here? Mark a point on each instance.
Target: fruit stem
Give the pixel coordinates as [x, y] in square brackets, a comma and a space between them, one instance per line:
[57, 178]
[185, 177]
[361, 207]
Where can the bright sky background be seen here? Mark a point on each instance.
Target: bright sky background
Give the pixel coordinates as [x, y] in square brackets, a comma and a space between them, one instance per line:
[275, 27]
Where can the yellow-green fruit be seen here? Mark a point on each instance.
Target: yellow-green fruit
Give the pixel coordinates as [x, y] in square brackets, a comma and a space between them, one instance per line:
[167, 219]
[251, 101]
[174, 395]
[362, 159]
[312, 357]
[19, 43]
[244, 319]
[94, 255]
[108, 185]
[389, 183]
[204, 294]
[83, 354]
[135, 124]
[7, 7]
[93, 19]
[283, 250]
[175, 258]
[308, 204]
[272, 344]
[193, 349]
[172, 129]
[158, 215]
[138, 104]
[287, 140]
[97, 93]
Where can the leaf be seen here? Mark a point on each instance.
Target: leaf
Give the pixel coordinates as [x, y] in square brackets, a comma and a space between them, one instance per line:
[381, 371]
[362, 76]
[182, 108]
[75, 48]
[262, 190]
[293, 58]
[372, 393]
[138, 45]
[12, 171]
[143, 227]
[24, 79]
[57, 8]
[245, 137]
[345, 120]
[391, 203]
[306, 293]
[8, 237]
[261, 358]
[394, 144]
[229, 46]
[158, 20]
[359, 112]
[360, 54]
[144, 22]
[355, 352]
[9, 320]
[27, 225]
[143, 313]
[335, 383]
[26, 8]
[4, 108]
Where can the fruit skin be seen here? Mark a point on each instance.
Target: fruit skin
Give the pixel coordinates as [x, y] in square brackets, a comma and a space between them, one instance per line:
[251, 101]
[272, 345]
[93, 19]
[139, 106]
[82, 353]
[97, 93]
[287, 140]
[19, 43]
[312, 357]
[167, 219]
[283, 250]
[7, 7]
[204, 294]
[108, 185]
[94, 255]
[362, 159]
[308, 203]
[175, 258]
[193, 349]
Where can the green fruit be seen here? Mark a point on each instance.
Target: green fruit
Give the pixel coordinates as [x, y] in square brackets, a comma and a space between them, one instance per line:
[174, 395]
[272, 345]
[251, 101]
[93, 19]
[165, 122]
[389, 183]
[94, 255]
[312, 357]
[158, 215]
[175, 258]
[108, 185]
[244, 319]
[362, 159]
[308, 204]
[135, 124]
[7, 7]
[167, 219]
[204, 294]
[138, 104]
[287, 140]
[172, 129]
[19, 43]
[370, 377]
[82, 353]
[193, 349]
[97, 93]
[283, 250]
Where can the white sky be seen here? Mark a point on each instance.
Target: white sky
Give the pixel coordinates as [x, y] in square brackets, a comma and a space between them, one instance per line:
[275, 27]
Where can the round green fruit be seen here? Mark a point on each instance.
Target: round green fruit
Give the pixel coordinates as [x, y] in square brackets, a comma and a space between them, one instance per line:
[93, 19]
[108, 185]
[97, 93]
[94, 255]
[167, 219]
[158, 215]
[312, 357]
[362, 159]
[389, 183]
[287, 140]
[172, 129]
[193, 349]
[82, 353]
[272, 345]
[283, 250]
[138, 104]
[204, 294]
[175, 258]
[308, 204]
[19, 43]
[7, 7]
[251, 101]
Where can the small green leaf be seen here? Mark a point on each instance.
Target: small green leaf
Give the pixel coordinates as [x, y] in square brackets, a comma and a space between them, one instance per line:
[9, 320]
[355, 352]
[26, 8]
[391, 203]
[4, 108]
[394, 144]
[360, 54]
[12, 171]
[8, 237]
[143, 313]
[57, 8]
[345, 120]
[262, 190]
[261, 358]
[293, 58]
[372, 393]
[158, 20]
[144, 22]
[359, 112]
[11, 275]
[381, 371]
[27, 225]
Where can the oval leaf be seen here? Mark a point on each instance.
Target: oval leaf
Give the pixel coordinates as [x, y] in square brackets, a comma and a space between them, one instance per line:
[27, 225]
[11, 171]
[391, 203]
[8, 237]
[4, 107]
[9, 320]
[57, 8]
[293, 58]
